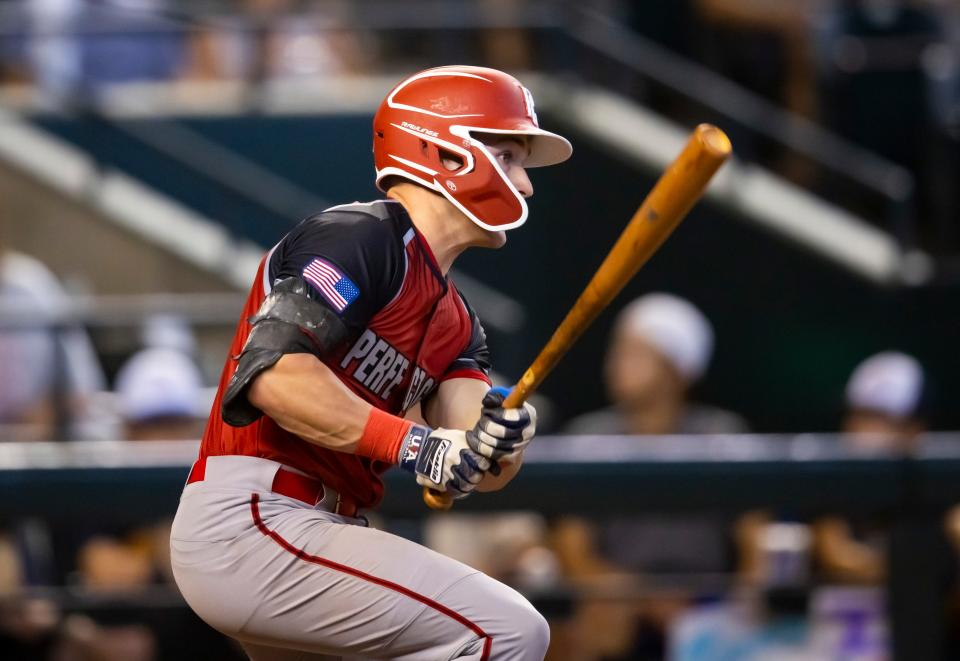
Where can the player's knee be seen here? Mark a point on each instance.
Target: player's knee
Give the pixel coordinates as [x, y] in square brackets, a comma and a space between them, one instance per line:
[526, 630]
[517, 630]
[535, 633]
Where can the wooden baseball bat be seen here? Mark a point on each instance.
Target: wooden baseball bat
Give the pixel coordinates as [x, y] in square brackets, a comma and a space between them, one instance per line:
[672, 197]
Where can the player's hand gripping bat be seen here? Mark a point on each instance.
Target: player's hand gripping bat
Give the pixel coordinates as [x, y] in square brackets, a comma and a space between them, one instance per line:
[681, 185]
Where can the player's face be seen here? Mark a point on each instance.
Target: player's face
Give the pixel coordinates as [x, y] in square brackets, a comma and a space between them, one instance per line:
[511, 153]
[637, 373]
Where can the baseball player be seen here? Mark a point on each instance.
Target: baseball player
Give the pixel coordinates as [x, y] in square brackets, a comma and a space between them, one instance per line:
[355, 352]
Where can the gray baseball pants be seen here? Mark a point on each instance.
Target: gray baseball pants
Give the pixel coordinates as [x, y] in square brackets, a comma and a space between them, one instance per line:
[293, 582]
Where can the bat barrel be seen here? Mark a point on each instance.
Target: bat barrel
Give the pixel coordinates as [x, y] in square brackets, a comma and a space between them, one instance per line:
[714, 140]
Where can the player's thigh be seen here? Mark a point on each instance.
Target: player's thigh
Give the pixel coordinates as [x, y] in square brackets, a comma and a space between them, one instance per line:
[354, 590]
[391, 598]
[299, 578]
[268, 572]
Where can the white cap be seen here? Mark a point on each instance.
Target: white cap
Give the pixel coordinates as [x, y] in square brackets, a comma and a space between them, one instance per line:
[159, 382]
[167, 331]
[675, 327]
[890, 382]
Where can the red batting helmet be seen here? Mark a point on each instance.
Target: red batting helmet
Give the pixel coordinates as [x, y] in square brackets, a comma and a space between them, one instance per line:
[436, 113]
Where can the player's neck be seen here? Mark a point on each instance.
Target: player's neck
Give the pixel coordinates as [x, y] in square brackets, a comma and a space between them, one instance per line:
[447, 231]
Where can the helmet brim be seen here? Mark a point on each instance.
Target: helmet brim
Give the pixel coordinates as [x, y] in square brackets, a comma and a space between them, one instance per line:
[546, 148]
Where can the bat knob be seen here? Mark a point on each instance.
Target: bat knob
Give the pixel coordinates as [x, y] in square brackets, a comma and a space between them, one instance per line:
[437, 500]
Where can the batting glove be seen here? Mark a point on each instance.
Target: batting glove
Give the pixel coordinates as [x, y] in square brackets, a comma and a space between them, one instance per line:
[502, 432]
[443, 460]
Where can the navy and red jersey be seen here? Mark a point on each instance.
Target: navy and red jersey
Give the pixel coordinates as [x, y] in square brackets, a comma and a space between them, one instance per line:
[409, 330]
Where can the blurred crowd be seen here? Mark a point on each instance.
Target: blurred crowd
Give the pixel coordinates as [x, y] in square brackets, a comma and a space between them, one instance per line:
[833, 61]
[73, 49]
[687, 587]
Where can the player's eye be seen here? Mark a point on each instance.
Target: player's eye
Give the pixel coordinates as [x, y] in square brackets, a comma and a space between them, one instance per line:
[506, 156]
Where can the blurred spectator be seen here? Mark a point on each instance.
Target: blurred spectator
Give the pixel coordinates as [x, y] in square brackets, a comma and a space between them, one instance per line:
[765, 45]
[506, 48]
[505, 546]
[33, 629]
[42, 49]
[128, 41]
[740, 629]
[270, 40]
[49, 370]
[844, 624]
[168, 331]
[886, 402]
[78, 46]
[661, 347]
[161, 397]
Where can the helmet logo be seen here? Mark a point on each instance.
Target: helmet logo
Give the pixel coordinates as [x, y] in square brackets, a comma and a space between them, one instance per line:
[528, 102]
[451, 185]
[419, 129]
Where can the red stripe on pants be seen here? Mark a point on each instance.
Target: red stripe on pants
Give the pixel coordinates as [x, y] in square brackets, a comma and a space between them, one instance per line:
[395, 587]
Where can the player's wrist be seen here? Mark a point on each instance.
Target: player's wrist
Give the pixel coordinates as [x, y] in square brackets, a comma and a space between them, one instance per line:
[385, 437]
[411, 447]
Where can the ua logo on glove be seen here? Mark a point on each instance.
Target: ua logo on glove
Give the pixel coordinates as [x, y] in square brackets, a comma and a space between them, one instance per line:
[414, 440]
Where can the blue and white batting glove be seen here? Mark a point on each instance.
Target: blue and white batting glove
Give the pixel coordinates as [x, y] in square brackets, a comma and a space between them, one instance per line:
[502, 432]
[443, 460]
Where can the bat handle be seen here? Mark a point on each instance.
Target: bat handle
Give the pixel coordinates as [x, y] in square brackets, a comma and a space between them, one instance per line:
[440, 501]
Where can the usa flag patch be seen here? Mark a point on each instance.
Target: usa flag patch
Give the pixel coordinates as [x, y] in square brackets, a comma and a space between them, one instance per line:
[338, 290]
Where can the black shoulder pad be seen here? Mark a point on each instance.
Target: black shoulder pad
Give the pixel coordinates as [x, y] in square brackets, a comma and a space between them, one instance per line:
[289, 303]
[288, 321]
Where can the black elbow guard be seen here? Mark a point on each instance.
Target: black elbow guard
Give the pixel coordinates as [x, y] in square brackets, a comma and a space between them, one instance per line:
[288, 321]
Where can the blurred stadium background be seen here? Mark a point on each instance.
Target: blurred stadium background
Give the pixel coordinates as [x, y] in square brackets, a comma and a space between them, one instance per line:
[152, 150]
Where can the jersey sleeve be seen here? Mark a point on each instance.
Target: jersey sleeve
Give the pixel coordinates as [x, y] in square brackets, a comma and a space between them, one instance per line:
[352, 263]
[474, 361]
